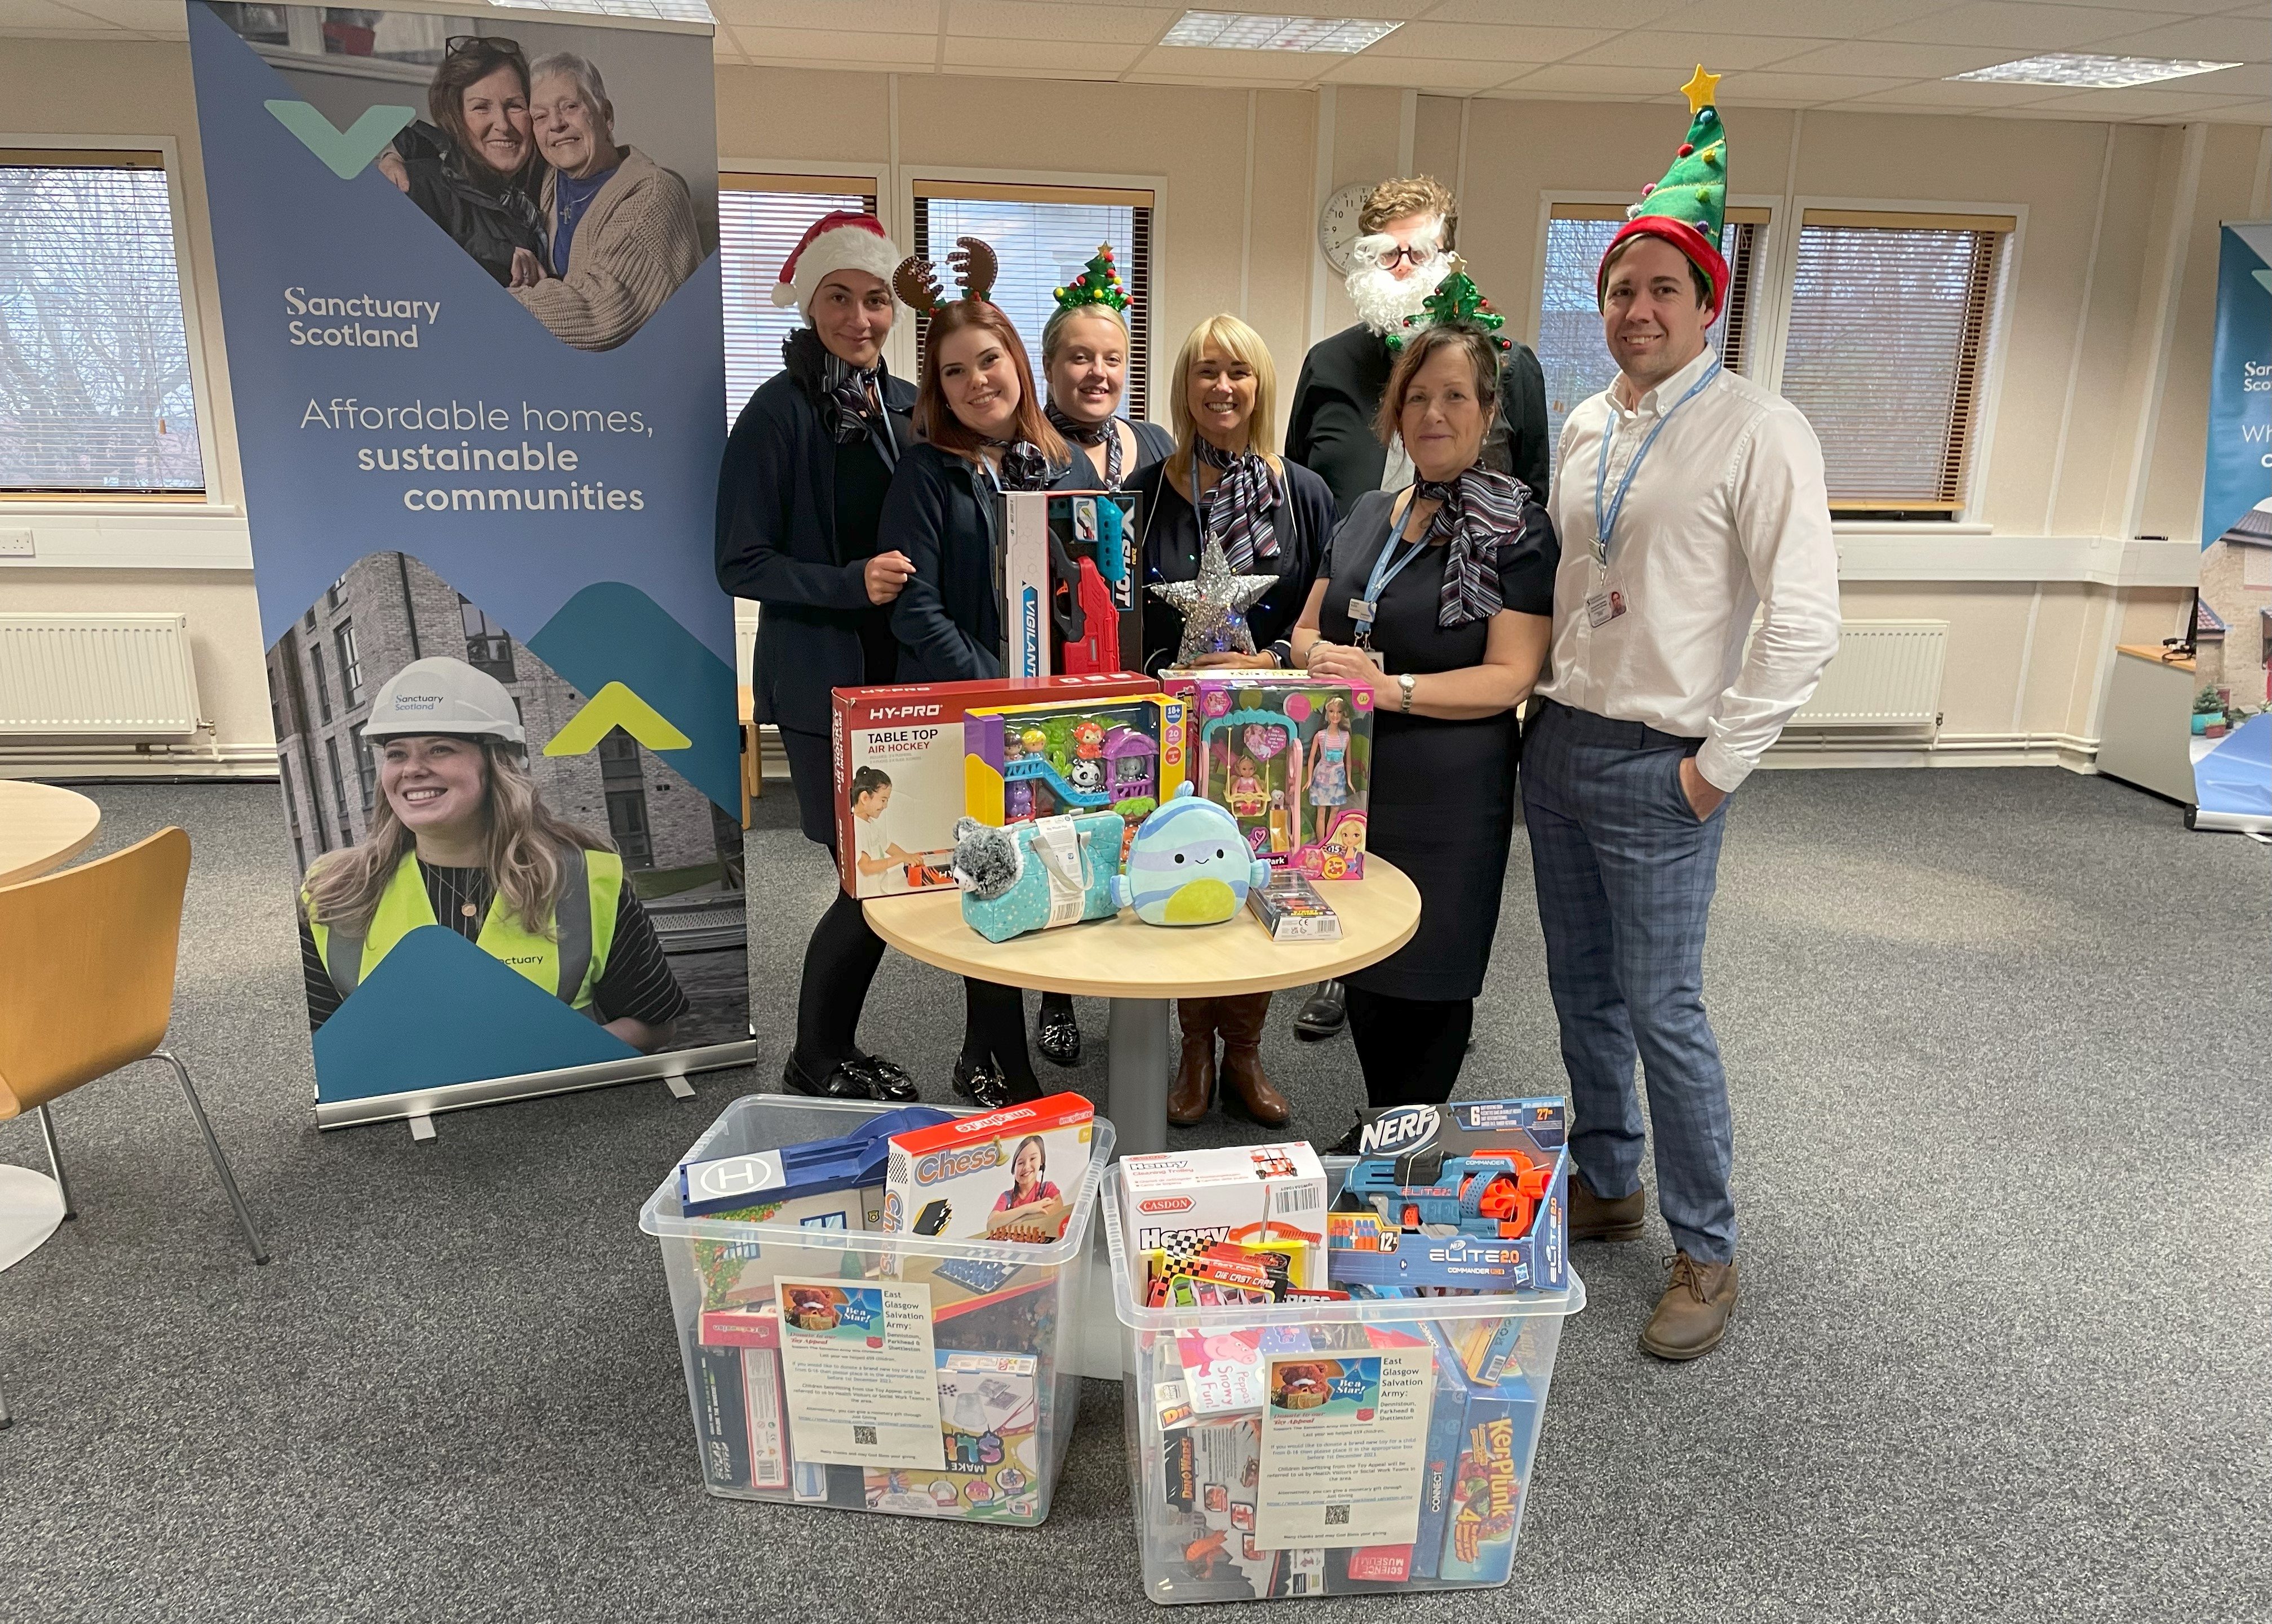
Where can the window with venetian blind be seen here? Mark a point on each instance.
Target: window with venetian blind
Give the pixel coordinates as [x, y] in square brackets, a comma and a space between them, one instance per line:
[1890, 319]
[760, 217]
[95, 394]
[1571, 352]
[1043, 236]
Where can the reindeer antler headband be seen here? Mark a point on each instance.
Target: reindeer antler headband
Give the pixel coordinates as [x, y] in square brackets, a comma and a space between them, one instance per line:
[973, 263]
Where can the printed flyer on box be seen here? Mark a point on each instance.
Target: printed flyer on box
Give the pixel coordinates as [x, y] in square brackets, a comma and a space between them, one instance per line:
[1343, 1444]
[861, 1373]
[468, 271]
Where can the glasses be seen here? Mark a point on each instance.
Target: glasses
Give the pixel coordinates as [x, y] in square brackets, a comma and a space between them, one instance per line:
[1420, 257]
[458, 44]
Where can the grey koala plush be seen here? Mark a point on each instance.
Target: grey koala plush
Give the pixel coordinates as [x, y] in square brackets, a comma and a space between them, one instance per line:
[987, 861]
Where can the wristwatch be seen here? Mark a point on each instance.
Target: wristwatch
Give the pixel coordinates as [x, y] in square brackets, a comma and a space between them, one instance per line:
[1404, 685]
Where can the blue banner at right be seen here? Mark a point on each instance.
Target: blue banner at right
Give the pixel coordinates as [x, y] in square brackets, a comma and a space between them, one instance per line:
[2233, 624]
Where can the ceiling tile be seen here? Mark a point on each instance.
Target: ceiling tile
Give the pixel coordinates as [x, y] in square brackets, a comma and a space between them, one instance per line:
[1676, 53]
[2128, 103]
[2255, 110]
[1450, 41]
[1076, 59]
[1201, 62]
[1827, 20]
[1944, 97]
[161, 17]
[1018, 19]
[2024, 30]
[1462, 73]
[1574, 78]
[2201, 39]
[1897, 59]
[867, 16]
[822, 48]
[41, 16]
[2252, 79]
[1546, 13]
[1769, 89]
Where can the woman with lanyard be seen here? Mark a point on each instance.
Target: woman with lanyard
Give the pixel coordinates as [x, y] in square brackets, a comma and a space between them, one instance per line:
[799, 496]
[1272, 517]
[1440, 598]
[982, 433]
[1085, 360]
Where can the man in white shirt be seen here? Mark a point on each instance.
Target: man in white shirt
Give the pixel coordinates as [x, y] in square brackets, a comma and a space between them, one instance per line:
[1686, 498]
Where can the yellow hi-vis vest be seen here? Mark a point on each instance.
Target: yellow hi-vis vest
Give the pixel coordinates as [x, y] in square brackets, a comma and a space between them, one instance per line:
[568, 963]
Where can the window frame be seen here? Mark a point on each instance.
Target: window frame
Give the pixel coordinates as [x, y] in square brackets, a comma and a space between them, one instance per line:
[1160, 356]
[821, 180]
[216, 438]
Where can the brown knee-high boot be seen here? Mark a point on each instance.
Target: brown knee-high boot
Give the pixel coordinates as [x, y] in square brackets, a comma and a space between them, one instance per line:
[1194, 1091]
[1240, 1021]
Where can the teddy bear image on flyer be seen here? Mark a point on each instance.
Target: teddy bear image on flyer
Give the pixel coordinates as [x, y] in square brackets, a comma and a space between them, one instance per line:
[1304, 1385]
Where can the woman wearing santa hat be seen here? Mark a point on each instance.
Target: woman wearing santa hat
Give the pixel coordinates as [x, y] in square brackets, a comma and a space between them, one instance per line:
[799, 496]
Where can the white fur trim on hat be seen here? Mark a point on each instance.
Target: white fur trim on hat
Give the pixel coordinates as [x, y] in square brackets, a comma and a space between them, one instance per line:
[839, 242]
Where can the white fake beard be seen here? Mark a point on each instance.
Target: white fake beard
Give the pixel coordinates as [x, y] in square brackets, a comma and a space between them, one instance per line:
[1382, 302]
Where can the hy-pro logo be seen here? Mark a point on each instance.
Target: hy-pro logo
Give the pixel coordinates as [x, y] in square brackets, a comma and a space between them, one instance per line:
[1405, 1128]
[344, 153]
[899, 713]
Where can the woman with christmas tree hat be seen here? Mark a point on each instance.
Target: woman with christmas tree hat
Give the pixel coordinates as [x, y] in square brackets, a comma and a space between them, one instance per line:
[1085, 368]
[1440, 598]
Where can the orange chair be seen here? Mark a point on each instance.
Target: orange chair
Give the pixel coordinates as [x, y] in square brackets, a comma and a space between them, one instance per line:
[87, 955]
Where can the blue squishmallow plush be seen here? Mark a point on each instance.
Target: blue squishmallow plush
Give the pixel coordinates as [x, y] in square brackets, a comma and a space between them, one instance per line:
[1188, 865]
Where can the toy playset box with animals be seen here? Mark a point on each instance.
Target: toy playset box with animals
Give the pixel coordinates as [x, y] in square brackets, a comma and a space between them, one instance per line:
[831, 1364]
[1062, 757]
[898, 759]
[1288, 756]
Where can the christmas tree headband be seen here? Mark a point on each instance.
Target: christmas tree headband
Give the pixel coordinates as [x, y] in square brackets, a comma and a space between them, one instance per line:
[973, 263]
[1456, 299]
[1688, 207]
[1098, 283]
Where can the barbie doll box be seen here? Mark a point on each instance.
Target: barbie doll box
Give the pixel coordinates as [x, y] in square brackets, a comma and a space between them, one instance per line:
[997, 1176]
[1290, 758]
[899, 773]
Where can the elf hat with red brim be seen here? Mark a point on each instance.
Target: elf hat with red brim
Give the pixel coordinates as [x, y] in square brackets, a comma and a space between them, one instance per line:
[1688, 207]
[843, 241]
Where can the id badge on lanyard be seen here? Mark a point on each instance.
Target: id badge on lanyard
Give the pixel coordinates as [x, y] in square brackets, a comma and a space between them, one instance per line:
[1607, 601]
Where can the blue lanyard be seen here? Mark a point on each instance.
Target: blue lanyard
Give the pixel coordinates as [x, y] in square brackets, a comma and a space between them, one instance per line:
[1606, 523]
[1383, 572]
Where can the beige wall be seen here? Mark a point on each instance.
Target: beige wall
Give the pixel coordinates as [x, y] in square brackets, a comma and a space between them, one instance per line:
[2100, 382]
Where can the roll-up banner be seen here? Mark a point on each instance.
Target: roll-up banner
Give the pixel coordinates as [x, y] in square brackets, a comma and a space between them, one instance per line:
[2233, 624]
[468, 273]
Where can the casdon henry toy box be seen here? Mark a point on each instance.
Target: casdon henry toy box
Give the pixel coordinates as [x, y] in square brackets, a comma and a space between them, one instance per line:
[1290, 758]
[1064, 757]
[898, 770]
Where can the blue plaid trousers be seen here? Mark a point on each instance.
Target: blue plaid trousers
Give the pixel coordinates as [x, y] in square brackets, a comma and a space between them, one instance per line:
[1624, 874]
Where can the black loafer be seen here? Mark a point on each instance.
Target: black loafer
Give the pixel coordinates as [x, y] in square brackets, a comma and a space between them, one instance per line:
[1056, 1034]
[841, 1083]
[1324, 1014]
[889, 1082]
[981, 1084]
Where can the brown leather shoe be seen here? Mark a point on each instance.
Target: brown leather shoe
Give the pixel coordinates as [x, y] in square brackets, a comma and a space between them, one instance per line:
[1592, 1218]
[1240, 1022]
[1692, 1314]
[1194, 1089]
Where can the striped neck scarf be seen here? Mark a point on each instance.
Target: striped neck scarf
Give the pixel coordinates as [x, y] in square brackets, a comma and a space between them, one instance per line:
[1481, 509]
[1024, 466]
[1106, 434]
[847, 389]
[1247, 493]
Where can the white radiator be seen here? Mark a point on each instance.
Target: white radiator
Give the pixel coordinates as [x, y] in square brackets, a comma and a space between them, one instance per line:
[105, 675]
[1887, 676]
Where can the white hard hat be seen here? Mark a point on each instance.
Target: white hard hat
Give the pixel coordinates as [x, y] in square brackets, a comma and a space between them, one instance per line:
[441, 695]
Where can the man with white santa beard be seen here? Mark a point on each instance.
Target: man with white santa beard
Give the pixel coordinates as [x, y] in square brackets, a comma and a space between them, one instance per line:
[1408, 226]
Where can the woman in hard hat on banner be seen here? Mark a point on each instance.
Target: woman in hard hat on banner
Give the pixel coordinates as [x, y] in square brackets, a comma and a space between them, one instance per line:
[460, 838]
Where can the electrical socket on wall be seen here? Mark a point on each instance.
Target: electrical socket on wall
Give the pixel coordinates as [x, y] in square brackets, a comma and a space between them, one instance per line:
[16, 544]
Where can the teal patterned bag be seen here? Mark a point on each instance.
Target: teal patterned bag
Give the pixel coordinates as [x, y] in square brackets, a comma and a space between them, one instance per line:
[1031, 876]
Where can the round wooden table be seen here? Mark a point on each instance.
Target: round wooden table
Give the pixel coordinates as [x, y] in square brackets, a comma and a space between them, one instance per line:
[1140, 967]
[41, 827]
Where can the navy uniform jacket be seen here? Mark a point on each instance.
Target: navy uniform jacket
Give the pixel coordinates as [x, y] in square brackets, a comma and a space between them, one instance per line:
[777, 544]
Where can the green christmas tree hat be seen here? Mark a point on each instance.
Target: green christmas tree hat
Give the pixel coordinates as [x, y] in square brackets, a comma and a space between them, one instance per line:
[1098, 283]
[1456, 298]
[1687, 207]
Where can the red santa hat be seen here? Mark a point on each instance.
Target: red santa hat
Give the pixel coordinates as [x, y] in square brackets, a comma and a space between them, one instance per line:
[843, 241]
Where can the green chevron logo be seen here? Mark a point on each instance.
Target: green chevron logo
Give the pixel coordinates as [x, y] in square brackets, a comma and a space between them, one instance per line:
[2263, 279]
[345, 153]
[615, 707]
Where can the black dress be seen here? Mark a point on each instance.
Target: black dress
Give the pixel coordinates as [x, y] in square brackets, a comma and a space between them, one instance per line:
[1302, 522]
[1442, 804]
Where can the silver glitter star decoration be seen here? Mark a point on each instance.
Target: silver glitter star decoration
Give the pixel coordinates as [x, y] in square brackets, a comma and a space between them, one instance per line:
[1214, 606]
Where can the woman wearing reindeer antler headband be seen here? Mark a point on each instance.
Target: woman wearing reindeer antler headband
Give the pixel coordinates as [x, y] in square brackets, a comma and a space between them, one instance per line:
[982, 433]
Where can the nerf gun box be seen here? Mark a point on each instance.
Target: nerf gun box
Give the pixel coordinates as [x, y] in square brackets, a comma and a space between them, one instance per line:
[1069, 564]
[898, 756]
[1000, 1177]
[1252, 1195]
[1473, 1194]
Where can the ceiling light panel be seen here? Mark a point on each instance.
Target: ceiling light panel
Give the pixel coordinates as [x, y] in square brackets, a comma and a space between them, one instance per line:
[2077, 70]
[1236, 31]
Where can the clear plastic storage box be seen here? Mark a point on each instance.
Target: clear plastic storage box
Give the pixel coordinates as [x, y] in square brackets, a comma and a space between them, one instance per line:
[829, 1364]
[1330, 1448]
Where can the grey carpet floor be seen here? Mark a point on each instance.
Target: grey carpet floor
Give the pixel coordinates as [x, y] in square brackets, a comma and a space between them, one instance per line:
[1997, 1048]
